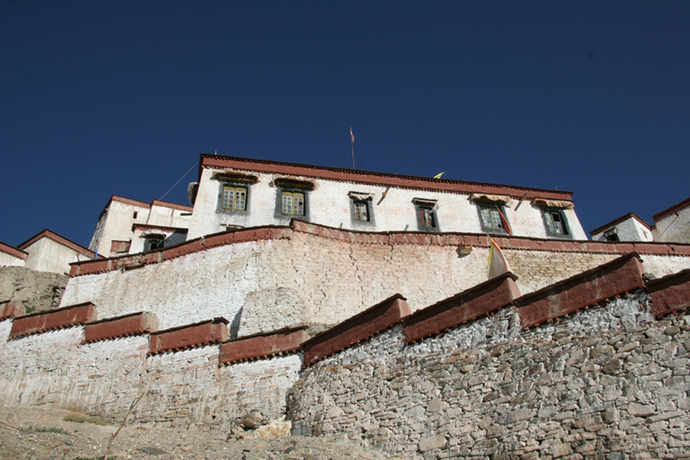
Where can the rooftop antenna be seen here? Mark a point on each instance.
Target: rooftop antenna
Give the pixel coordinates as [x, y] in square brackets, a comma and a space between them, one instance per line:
[352, 143]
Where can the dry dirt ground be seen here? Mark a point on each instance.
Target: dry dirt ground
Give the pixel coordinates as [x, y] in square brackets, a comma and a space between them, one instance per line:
[40, 434]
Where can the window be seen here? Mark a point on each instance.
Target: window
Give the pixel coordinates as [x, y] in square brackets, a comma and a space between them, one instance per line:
[292, 203]
[612, 235]
[491, 218]
[361, 211]
[292, 198]
[234, 198]
[153, 242]
[555, 222]
[426, 215]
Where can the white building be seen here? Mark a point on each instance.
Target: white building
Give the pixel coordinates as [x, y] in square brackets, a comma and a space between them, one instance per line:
[629, 227]
[45, 252]
[235, 193]
[128, 226]
[11, 256]
[672, 225]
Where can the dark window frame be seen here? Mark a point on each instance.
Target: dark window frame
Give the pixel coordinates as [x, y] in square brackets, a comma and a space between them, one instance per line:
[548, 213]
[220, 209]
[430, 206]
[368, 202]
[149, 239]
[492, 206]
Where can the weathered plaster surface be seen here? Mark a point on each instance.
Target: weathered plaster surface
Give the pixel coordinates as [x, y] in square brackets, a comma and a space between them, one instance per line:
[179, 389]
[8, 260]
[264, 285]
[674, 228]
[47, 255]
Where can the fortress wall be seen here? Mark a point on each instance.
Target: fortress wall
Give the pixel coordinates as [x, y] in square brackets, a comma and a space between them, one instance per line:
[463, 377]
[268, 278]
[184, 388]
[609, 381]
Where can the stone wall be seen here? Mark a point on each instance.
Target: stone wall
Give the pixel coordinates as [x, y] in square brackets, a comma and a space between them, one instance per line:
[38, 291]
[267, 278]
[590, 366]
[609, 382]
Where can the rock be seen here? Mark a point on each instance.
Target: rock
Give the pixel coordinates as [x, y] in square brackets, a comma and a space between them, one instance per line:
[152, 451]
[561, 450]
[275, 429]
[641, 410]
[432, 442]
[612, 366]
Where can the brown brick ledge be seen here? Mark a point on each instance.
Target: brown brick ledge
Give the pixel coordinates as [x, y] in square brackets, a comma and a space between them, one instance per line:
[189, 336]
[11, 309]
[262, 346]
[587, 288]
[73, 315]
[121, 326]
[468, 305]
[670, 294]
[355, 329]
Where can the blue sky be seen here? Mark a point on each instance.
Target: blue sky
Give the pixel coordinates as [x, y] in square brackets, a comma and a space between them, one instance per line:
[102, 98]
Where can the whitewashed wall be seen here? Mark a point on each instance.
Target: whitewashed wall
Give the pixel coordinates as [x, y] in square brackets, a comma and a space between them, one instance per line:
[47, 255]
[674, 228]
[329, 204]
[8, 260]
[116, 225]
[185, 388]
[628, 230]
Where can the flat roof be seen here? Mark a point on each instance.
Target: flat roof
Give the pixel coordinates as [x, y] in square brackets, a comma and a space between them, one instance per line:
[59, 239]
[618, 221]
[676, 207]
[11, 250]
[375, 178]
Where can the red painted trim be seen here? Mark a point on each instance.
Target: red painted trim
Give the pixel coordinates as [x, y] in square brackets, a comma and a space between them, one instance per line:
[73, 315]
[670, 293]
[262, 346]
[618, 221]
[359, 327]
[158, 227]
[14, 252]
[189, 336]
[375, 178]
[587, 288]
[676, 207]
[11, 309]
[167, 204]
[473, 303]
[59, 239]
[122, 199]
[379, 238]
[121, 326]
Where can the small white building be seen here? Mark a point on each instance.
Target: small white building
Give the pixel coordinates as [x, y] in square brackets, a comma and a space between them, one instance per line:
[49, 252]
[11, 256]
[235, 193]
[629, 227]
[672, 225]
[126, 226]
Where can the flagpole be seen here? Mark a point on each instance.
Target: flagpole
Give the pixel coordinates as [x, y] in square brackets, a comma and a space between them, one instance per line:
[352, 143]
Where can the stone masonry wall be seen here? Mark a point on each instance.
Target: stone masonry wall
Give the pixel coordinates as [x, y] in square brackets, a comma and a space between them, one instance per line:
[182, 389]
[38, 291]
[608, 382]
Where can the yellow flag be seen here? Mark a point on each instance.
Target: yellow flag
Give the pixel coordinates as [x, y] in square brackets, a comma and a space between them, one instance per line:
[438, 176]
[498, 264]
